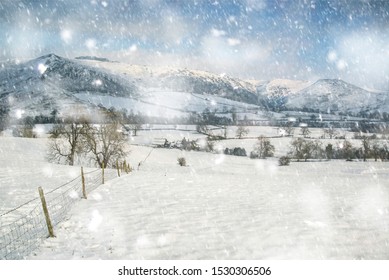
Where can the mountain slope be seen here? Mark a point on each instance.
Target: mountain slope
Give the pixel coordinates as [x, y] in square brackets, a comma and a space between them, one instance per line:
[331, 96]
[52, 83]
[49, 83]
[336, 96]
[182, 80]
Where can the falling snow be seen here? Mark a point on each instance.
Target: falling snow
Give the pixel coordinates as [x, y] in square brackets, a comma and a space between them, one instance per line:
[167, 70]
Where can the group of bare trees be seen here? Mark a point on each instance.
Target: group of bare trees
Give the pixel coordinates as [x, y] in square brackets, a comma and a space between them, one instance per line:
[302, 149]
[305, 149]
[102, 144]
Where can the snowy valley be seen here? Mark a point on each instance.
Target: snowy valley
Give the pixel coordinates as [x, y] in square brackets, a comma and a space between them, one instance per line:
[216, 207]
[227, 198]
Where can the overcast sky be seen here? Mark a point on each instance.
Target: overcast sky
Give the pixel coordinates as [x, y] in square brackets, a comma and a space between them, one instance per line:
[265, 39]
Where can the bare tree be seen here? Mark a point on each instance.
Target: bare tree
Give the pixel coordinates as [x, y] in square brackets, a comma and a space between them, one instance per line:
[203, 129]
[298, 148]
[135, 127]
[331, 132]
[365, 147]
[347, 150]
[375, 150]
[4, 114]
[234, 116]
[66, 141]
[262, 148]
[106, 144]
[241, 131]
[329, 150]
[288, 127]
[305, 131]
[317, 151]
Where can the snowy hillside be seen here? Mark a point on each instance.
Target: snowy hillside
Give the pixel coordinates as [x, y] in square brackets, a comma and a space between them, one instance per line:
[183, 80]
[54, 84]
[329, 96]
[48, 84]
[337, 96]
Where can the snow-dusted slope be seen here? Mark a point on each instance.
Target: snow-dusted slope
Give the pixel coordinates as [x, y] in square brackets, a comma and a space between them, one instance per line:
[333, 96]
[330, 96]
[183, 80]
[48, 83]
[293, 86]
[79, 86]
[51, 72]
[274, 94]
[170, 104]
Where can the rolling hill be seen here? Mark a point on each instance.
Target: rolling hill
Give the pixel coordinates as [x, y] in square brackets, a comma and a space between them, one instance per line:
[80, 86]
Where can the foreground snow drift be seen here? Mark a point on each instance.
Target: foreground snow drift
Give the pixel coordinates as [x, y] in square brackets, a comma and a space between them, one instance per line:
[225, 207]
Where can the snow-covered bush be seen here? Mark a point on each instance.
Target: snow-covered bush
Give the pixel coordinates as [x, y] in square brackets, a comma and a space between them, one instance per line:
[237, 151]
[24, 131]
[206, 144]
[181, 161]
[284, 161]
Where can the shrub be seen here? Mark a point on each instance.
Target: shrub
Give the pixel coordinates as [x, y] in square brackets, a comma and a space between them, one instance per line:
[284, 161]
[347, 150]
[329, 150]
[181, 161]
[23, 131]
[237, 151]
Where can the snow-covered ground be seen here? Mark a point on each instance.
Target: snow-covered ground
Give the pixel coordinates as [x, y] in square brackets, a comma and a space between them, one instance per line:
[225, 207]
[23, 168]
[217, 207]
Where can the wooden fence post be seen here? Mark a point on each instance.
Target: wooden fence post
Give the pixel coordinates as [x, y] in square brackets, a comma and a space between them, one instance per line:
[102, 166]
[83, 184]
[46, 212]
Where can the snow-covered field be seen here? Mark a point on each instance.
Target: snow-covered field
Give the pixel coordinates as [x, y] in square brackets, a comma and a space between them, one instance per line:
[217, 207]
[23, 168]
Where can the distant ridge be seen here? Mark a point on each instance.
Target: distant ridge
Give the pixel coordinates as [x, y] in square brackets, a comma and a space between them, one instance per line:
[53, 83]
[87, 57]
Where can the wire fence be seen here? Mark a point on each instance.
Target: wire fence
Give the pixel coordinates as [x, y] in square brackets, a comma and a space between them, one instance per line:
[23, 228]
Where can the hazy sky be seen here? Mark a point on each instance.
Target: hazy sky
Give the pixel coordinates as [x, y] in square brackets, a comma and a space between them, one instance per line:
[265, 39]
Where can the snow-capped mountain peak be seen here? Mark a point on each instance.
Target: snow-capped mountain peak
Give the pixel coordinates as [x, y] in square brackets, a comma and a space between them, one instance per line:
[51, 82]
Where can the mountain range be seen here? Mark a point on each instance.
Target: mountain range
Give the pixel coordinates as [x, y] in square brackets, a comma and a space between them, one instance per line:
[70, 86]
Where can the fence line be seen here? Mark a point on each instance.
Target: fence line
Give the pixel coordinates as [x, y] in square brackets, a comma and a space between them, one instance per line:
[23, 228]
